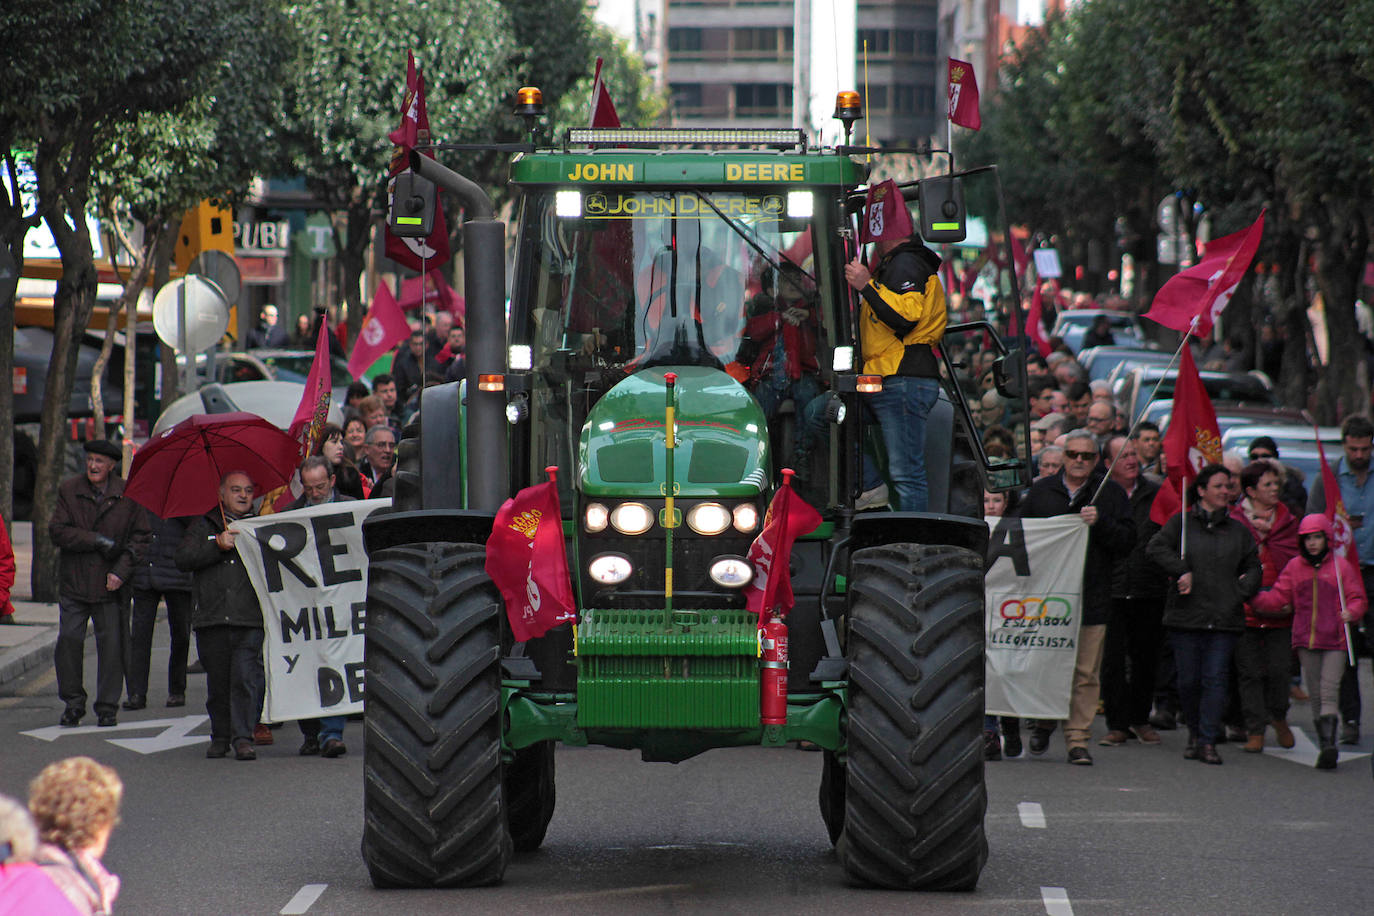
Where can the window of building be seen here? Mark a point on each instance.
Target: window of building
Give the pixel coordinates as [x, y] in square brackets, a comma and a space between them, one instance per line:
[877, 98]
[925, 41]
[756, 40]
[686, 96]
[763, 99]
[925, 100]
[879, 41]
[904, 41]
[904, 99]
[684, 39]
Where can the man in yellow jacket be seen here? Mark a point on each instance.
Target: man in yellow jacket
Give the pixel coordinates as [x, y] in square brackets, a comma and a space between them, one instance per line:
[901, 319]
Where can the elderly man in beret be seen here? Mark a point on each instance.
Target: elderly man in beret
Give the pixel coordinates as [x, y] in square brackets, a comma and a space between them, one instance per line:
[101, 535]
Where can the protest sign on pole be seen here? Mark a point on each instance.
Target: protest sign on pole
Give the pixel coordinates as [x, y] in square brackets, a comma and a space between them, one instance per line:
[1034, 588]
[309, 571]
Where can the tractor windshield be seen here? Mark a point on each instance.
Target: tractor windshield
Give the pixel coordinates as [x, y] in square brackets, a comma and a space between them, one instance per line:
[651, 278]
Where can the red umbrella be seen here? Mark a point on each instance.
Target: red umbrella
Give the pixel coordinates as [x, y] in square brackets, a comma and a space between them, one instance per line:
[178, 473]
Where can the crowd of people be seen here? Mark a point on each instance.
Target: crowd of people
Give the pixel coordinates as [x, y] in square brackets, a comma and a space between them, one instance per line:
[1215, 621]
[119, 562]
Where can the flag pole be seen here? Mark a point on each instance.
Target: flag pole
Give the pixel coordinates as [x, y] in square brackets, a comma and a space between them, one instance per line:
[1137, 421]
[1340, 592]
[668, 522]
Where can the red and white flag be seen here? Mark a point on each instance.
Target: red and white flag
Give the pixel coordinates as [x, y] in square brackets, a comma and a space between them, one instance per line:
[383, 328]
[789, 517]
[1035, 321]
[885, 214]
[1342, 532]
[307, 426]
[1193, 440]
[528, 562]
[417, 254]
[603, 109]
[963, 95]
[1192, 299]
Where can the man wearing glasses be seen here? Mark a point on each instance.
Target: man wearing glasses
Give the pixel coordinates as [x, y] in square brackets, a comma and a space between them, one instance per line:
[1079, 489]
[379, 455]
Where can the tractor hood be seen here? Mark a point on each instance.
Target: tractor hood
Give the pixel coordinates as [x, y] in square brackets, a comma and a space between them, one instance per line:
[722, 437]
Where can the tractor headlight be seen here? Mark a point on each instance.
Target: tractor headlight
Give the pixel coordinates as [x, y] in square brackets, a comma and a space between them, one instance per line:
[732, 572]
[596, 517]
[610, 568]
[708, 518]
[632, 518]
[746, 517]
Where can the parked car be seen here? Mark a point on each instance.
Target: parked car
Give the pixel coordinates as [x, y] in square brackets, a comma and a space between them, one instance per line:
[1143, 384]
[1101, 362]
[1073, 324]
[1160, 412]
[275, 402]
[269, 365]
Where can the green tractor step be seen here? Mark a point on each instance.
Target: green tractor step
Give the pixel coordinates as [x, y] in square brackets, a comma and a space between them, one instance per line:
[701, 673]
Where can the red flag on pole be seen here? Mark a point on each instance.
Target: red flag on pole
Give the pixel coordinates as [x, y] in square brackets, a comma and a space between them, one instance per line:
[1193, 298]
[789, 517]
[1342, 534]
[383, 328]
[417, 254]
[963, 95]
[1193, 440]
[528, 561]
[885, 214]
[603, 109]
[1035, 321]
[307, 426]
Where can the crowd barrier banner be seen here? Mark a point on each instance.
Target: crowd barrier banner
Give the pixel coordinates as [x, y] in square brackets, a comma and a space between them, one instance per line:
[309, 570]
[1034, 587]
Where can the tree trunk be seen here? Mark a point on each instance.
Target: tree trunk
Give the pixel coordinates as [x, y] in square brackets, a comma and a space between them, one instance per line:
[167, 356]
[353, 259]
[1340, 250]
[72, 305]
[6, 373]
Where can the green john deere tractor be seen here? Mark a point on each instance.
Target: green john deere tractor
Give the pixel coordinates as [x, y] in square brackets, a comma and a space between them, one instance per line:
[640, 253]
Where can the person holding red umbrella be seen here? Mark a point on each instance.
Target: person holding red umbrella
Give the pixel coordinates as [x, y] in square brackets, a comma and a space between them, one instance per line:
[227, 620]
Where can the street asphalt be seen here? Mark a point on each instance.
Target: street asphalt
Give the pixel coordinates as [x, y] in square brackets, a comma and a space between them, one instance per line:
[737, 831]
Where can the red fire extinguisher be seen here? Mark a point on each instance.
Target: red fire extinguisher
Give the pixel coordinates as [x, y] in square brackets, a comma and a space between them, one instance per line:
[773, 692]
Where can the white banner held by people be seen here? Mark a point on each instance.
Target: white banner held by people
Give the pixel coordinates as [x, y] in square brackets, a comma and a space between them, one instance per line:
[309, 570]
[1034, 588]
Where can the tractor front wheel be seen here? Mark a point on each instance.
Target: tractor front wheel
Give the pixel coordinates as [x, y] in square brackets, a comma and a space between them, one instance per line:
[914, 796]
[433, 806]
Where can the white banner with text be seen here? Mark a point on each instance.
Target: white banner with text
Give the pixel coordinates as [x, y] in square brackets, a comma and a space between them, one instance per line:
[1034, 589]
[309, 570]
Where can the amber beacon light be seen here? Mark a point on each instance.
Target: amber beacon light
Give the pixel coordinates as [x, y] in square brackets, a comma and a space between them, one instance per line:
[849, 107]
[529, 102]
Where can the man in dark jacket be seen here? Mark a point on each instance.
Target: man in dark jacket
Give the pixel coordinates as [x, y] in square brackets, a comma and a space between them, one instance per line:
[227, 620]
[1216, 569]
[158, 579]
[1135, 628]
[1080, 489]
[101, 536]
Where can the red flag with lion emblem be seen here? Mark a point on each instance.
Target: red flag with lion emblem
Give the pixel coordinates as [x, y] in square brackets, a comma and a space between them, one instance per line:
[528, 562]
[1193, 440]
[963, 95]
[1342, 535]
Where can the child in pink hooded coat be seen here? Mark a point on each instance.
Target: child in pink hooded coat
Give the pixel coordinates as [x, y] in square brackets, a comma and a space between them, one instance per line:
[1310, 587]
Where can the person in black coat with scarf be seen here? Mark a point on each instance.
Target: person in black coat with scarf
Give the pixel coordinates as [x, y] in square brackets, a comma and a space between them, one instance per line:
[1216, 568]
[1080, 489]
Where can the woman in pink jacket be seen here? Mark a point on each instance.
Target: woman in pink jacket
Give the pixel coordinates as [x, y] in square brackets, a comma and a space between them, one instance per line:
[1309, 586]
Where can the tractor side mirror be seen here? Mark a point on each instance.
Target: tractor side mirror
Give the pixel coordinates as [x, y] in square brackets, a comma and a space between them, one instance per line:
[413, 200]
[943, 217]
[1007, 372]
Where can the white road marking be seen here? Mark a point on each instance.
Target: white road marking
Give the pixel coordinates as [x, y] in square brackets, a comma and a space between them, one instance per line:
[305, 898]
[1032, 815]
[174, 733]
[1304, 752]
[1056, 901]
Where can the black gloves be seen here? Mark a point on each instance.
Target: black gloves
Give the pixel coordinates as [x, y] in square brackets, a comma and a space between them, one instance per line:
[107, 547]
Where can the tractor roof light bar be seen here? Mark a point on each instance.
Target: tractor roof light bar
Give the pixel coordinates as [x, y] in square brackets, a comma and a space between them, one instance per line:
[651, 137]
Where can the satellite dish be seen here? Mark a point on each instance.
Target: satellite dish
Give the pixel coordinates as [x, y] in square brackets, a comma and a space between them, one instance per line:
[206, 310]
[219, 266]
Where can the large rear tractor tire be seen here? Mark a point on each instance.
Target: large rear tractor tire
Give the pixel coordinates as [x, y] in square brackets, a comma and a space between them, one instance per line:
[530, 795]
[914, 795]
[433, 806]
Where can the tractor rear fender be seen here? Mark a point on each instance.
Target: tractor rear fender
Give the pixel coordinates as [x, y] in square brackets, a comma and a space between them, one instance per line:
[872, 529]
[426, 526]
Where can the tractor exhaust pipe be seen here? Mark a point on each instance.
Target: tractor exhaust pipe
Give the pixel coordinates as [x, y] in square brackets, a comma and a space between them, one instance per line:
[484, 272]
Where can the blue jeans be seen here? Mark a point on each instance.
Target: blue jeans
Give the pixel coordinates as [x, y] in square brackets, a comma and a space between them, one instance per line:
[901, 408]
[1203, 658]
[331, 727]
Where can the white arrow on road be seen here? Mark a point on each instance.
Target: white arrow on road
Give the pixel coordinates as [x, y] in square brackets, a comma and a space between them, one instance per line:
[175, 733]
[1304, 751]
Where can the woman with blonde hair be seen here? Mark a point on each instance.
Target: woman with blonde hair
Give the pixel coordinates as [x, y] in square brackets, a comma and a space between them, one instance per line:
[24, 888]
[75, 804]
